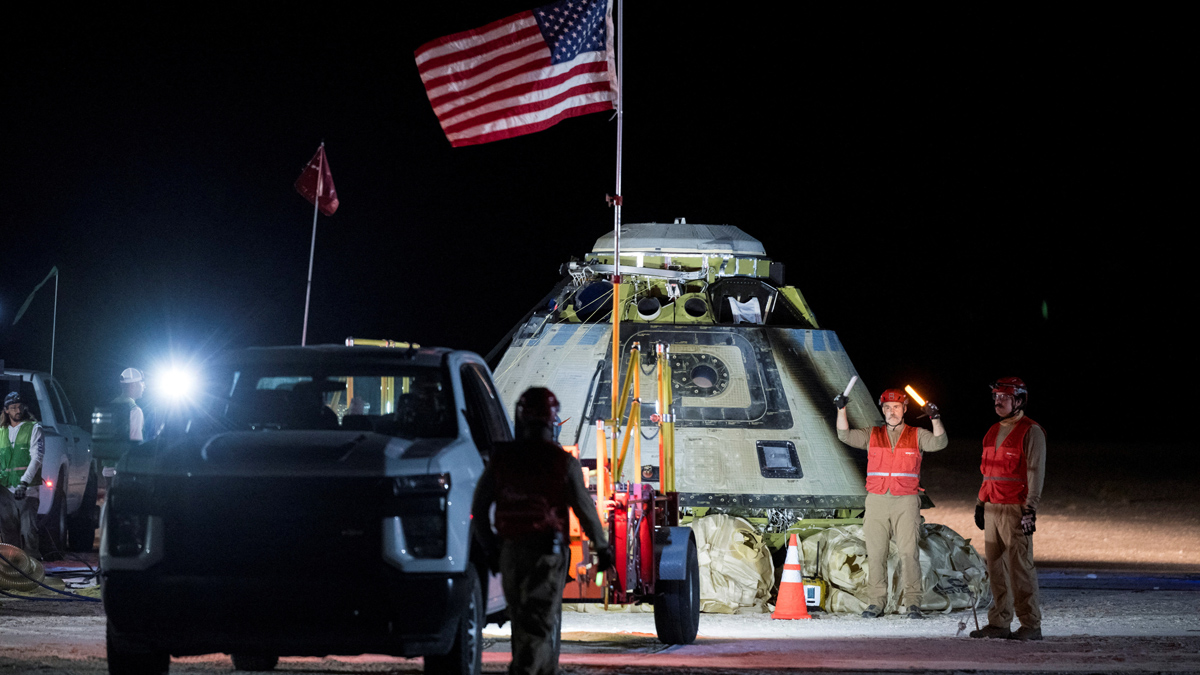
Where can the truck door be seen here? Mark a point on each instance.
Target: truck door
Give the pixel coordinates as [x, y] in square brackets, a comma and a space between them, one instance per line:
[78, 443]
[485, 414]
[489, 425]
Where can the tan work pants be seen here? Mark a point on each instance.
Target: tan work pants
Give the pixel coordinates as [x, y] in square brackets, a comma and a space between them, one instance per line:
[1010, 567]
[889, 516]
[533, 580]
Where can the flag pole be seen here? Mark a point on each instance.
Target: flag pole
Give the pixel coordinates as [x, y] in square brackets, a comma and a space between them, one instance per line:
[616, 278]
[312, 249]
[54, 325]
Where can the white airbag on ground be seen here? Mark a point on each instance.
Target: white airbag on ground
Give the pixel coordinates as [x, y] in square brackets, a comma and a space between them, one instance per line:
[736, 572]
[952, 571]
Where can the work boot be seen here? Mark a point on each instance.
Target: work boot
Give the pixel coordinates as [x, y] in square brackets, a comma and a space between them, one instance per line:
[872, 612]
[1026, 633]
[914, 612]
[990, 631]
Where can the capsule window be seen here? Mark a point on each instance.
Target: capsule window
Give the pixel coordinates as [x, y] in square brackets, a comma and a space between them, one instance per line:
[778, 459]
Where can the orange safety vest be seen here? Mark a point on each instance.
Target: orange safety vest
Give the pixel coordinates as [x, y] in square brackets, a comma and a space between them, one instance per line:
[896, 470]
[531, 488]
[1005, 470]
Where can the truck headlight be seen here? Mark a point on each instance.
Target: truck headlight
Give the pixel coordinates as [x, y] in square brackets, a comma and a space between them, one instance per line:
[435, 483]
[421, 503]
[127, 532]
[129, 515]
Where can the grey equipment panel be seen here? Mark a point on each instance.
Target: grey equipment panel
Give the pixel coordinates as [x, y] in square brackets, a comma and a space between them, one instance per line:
[722, 377]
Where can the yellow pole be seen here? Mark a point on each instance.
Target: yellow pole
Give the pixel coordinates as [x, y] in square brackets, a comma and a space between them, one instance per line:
[601, 470]
[636, 419]
[350, 342]
[668, 430]
[623, 401]
[616, 342]
[619, 472]
[659, 409]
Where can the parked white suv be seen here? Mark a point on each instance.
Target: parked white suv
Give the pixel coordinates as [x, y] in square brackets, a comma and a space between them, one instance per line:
[348, 468]
[67, 515]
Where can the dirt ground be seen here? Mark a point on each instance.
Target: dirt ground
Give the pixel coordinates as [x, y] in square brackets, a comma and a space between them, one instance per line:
[1108, 506]
[1087, 630]
[1129, 518]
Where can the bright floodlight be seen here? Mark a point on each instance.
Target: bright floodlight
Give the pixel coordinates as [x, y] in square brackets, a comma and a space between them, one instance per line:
[178, 383]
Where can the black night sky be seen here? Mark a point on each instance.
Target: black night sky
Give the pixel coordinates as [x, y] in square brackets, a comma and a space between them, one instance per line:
[959, 198]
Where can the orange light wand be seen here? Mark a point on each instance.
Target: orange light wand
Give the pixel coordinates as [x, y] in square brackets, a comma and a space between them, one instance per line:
[913, 393]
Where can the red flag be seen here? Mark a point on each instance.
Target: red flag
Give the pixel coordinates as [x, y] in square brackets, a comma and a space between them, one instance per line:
[317, 180]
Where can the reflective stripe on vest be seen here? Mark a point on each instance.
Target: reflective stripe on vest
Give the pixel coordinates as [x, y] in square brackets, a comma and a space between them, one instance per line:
[1004, 466]
[897, 470]
[13, 453]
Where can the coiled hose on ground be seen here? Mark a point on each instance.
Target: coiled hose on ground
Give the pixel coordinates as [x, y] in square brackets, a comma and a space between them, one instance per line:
[18, 571]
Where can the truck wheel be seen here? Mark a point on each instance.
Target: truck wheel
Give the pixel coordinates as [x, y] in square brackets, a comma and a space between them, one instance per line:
[53, 526]
[254, 662]
[124, 662]
[81, 527]
[466, 655]
[677, 605]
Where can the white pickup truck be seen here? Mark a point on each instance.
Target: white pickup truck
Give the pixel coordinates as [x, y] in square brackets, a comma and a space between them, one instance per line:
[350, 467]
[68, 515]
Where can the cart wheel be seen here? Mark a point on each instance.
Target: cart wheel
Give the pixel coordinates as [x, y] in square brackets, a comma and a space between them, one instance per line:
[677, 605]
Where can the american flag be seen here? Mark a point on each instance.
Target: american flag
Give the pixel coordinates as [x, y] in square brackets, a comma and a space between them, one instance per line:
[522, 74]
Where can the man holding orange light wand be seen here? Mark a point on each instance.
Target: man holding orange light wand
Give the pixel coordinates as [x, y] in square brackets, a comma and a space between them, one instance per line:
[893, 506]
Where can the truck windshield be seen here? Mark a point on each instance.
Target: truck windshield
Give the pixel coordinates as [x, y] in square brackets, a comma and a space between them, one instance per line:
[405, 402]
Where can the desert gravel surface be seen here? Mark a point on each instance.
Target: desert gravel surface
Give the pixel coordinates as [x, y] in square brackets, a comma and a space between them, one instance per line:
[1119, 631]
[1118, 546]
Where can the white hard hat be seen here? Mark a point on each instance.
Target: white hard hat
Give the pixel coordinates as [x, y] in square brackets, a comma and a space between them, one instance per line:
[131, 375]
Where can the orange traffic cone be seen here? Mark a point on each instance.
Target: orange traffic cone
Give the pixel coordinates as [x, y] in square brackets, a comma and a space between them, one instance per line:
[791, 603]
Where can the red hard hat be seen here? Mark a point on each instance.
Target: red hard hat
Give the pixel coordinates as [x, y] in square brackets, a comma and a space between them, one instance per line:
[1013, 386]
[893, 395]
[537, 405]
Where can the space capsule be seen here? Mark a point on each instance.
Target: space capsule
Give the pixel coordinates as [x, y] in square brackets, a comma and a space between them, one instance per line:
[753, 374]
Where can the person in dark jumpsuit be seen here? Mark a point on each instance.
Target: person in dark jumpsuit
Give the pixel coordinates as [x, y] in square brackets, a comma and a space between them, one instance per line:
[533, 481]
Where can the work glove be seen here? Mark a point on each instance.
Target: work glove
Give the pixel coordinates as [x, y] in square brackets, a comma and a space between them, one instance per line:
[605, 558]
[840, 401]
[19, 493]
[932, 410]
[979, 515]
[1028, 520]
